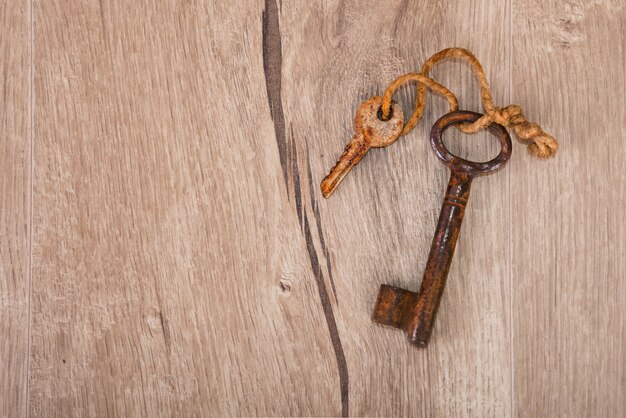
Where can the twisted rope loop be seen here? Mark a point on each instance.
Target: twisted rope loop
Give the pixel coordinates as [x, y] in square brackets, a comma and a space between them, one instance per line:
[539, 143]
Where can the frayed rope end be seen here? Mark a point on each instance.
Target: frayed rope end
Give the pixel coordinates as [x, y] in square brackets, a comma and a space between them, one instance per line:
[543, 146]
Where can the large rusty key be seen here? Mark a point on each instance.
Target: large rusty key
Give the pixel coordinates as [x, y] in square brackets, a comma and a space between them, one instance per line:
[415, 312]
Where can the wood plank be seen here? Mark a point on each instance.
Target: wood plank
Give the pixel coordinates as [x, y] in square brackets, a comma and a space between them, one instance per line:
[185, 263]
[569, 228]
[171, 275]
[378, 226]
[15, 200]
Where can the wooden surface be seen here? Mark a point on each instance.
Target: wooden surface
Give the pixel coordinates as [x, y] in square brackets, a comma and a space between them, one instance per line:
[15, 205]
[165, 249]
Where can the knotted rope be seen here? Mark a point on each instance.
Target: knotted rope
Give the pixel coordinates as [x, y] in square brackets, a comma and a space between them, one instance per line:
[540, 144]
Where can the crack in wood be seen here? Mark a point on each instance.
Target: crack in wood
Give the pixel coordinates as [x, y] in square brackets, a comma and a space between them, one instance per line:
[272, 67]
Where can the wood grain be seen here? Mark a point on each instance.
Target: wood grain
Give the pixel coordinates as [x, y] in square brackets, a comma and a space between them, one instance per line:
[15, 194]
[569, 245]
[184, 262]
[168, 279]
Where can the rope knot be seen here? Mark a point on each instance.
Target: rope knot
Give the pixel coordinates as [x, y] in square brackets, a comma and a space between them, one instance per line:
[540, 144]
[506, 116]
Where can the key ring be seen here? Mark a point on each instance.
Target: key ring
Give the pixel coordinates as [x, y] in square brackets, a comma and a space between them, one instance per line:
[456, 163]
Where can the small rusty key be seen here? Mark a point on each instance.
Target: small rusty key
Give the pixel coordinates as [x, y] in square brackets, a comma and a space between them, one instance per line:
[415, 312]
[370, 131]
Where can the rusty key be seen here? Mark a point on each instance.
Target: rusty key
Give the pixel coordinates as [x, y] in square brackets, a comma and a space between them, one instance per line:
[415, 312]
[370, 131]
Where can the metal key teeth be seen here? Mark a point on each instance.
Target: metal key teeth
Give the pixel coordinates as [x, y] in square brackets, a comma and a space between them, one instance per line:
[352, 155]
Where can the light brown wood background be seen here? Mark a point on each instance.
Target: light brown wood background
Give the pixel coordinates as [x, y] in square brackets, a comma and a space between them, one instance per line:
[165, 250]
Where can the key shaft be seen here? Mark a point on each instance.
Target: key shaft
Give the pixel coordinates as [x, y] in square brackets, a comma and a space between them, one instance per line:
[440, 258]
[352, 155]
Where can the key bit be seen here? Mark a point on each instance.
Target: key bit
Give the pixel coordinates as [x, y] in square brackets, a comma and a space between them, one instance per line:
[370, 132]
[415, 312]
